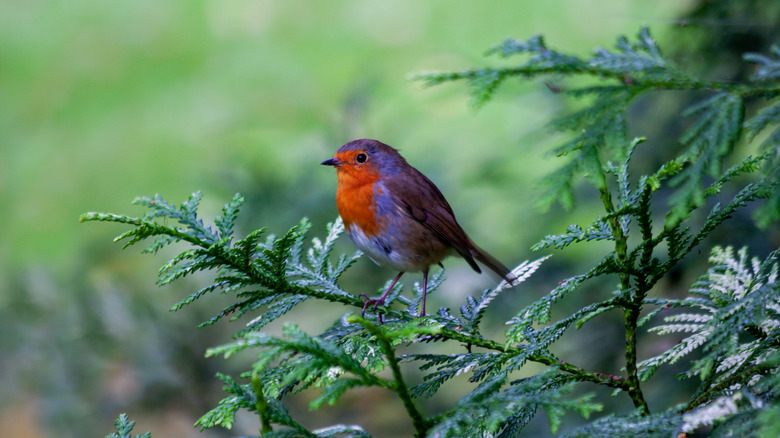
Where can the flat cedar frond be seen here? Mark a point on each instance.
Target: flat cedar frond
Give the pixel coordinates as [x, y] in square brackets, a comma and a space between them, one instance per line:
[602, 122]
[270, 276]
[632, 69]
[224, 414]
[539, 311]
[532, 341]
[741, 328]
[306, 361]
[227, 221]
[446, 367]
[768, 66]
[599, 230]
[474, 309]
[124, 427]
[492, 407]
[664, 424]
[243, 397]
[542, 56]
[768, 117]
[643, 56]
[708, 142]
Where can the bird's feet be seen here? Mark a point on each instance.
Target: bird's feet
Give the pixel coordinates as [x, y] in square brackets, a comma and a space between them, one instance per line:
[376, 302]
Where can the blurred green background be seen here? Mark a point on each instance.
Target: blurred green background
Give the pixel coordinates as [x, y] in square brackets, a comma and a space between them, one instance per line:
[106, 101]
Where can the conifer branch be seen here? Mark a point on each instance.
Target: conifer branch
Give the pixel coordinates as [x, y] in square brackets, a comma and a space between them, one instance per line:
[544, 359]
[739, 377]
[633, 302]
[399, 386]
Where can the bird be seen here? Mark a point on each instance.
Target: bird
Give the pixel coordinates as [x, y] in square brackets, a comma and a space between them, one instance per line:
[398, 217]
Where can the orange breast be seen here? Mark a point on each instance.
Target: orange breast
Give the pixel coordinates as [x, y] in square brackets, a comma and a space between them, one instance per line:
[355, 200]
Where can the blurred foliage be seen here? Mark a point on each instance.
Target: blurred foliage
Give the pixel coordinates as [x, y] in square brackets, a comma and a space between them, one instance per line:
[103, 102]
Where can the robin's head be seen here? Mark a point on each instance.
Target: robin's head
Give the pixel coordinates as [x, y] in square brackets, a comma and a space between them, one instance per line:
[366, 157]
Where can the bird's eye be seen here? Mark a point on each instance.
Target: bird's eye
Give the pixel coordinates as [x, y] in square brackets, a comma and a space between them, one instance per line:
[361, 158]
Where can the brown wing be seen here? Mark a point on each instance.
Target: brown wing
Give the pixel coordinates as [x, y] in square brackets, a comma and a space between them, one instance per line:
[423, 201]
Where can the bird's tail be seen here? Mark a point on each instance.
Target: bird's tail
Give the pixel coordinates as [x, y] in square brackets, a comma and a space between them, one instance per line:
[491, 262]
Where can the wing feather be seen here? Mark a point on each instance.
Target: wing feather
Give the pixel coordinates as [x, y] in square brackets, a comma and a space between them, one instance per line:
[422, 201]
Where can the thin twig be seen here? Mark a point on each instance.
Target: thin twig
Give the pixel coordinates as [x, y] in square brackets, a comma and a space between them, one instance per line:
[400, 387]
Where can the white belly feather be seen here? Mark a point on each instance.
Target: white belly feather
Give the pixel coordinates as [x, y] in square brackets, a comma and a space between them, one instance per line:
[380, 252]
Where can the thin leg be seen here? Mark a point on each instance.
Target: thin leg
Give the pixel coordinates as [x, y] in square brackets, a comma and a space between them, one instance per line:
[381, 300]
[425, 291]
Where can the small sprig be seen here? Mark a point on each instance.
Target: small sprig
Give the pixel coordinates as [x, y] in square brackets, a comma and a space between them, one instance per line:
[266, 273]
[768, 66]
[738, 293]
[124, 427]
[503, 410]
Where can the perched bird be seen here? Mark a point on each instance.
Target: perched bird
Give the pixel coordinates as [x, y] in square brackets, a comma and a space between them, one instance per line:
[397, 216]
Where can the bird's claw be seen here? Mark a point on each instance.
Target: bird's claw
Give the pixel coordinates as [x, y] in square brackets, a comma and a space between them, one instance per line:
[376, 302]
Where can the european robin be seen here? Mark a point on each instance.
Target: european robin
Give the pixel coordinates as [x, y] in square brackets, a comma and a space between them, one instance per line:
[397, 216]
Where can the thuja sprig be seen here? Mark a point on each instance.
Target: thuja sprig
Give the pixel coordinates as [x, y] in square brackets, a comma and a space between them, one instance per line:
[637, 268]
[599, 131]
[737, 292]
[264, 272]
[124, 427]
[270, 276]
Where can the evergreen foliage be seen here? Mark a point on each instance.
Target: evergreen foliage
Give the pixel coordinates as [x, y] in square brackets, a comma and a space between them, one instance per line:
[123, 427]
[731, 320]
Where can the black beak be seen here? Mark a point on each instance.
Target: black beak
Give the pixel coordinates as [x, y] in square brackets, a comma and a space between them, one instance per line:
[331, 162]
